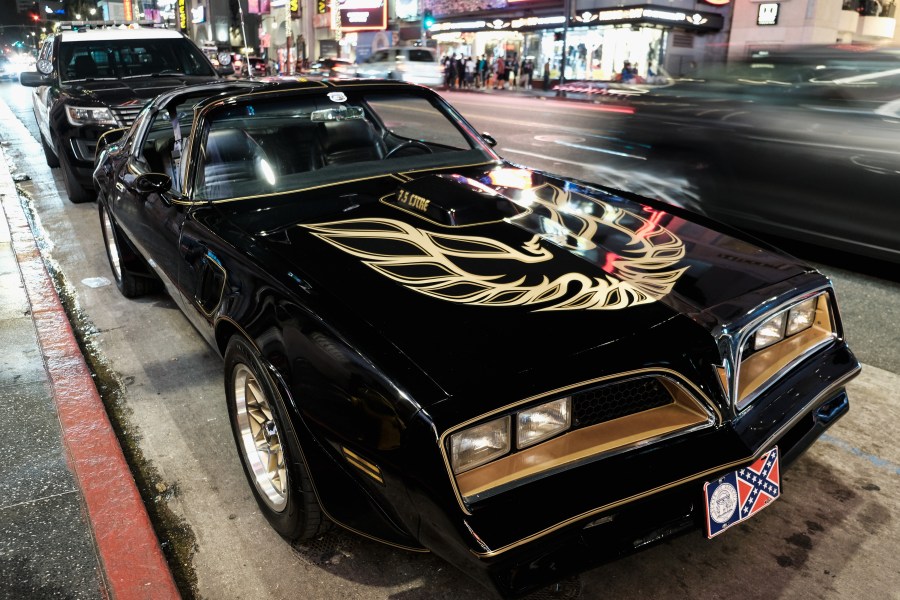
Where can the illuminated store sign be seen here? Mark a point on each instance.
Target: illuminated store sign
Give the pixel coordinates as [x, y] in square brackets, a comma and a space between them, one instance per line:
[496, 24]
[768, 13]
[363, 15]
[259, 7]
[182, 15]
[656, 15]
[198, 14]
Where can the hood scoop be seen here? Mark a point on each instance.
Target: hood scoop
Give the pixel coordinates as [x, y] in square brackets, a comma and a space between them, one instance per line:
[453, 201]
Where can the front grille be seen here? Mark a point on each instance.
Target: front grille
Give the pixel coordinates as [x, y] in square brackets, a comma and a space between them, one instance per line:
[126, 114]
[615, 400]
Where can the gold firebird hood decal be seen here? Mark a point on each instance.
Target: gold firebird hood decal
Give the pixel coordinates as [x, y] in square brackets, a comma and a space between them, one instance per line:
[440, 264]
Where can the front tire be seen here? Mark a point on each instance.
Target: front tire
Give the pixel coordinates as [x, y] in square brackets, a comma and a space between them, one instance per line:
[52, 159]
[121, 258]
[77, 193]
[274, 467]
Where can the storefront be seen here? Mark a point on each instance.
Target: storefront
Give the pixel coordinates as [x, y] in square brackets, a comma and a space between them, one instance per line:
[597, 44]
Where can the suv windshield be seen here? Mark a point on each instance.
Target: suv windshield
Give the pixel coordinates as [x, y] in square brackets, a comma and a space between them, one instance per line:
[115, 59]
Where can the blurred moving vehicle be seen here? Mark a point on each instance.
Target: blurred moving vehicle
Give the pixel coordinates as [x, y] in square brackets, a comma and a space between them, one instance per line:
[95, 77]
[801, 143]
[7, 72]
[414, 64]
[442, 351]
[331, 67]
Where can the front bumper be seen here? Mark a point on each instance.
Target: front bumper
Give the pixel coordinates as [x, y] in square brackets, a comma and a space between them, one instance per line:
[535, 534]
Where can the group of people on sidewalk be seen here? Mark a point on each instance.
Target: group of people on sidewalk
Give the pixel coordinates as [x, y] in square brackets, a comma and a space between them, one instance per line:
[499, 73]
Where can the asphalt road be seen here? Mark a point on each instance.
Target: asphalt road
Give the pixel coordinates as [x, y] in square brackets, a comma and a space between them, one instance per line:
[832, 535]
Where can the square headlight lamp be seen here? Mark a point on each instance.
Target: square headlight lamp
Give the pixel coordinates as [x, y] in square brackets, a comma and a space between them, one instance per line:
[542, 422]
[801, 316]
[786, 323]
[480, 444]
[770, 332]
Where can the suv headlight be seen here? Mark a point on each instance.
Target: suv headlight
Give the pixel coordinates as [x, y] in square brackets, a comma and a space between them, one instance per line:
[90, 115]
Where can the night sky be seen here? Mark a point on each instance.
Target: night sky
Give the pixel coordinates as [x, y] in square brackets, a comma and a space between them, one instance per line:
[9, 16]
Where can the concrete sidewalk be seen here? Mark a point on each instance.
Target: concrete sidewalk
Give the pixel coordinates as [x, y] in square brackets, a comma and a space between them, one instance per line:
[72, 523]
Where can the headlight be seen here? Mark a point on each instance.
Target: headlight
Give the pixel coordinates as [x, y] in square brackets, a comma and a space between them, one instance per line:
[801, 316]
[478, 445]
[786, 324]
[770, 332]
[542, 422]
[90, 115]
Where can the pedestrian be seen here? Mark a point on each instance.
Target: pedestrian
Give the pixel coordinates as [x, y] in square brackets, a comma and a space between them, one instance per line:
[481, 71]
[626, 75]
[513, 73]
[491, 72]
[525, 73]
[547, 75]
[469, 71]
[501, 74]
[452, 65]
[445, 63]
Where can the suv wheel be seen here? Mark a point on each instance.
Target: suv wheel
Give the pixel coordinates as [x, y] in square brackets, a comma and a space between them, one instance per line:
[77, 193]
[52, 159]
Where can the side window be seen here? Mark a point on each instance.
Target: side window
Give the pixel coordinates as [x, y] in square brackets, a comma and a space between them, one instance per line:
[231, 164]
[156, 152]
[413, 118]
[419, 55]
[379, 56]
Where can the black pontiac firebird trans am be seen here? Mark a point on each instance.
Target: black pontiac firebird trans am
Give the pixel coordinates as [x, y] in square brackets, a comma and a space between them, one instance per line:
[443, 351]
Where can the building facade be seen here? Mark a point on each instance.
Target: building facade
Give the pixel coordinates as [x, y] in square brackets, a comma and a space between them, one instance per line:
[595, 38]
[764, 25]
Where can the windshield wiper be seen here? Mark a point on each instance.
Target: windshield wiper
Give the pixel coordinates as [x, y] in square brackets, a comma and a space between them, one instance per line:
[90, 79]
[166, 73]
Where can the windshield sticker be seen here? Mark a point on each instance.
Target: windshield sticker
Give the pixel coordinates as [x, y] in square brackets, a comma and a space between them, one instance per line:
[337, 96]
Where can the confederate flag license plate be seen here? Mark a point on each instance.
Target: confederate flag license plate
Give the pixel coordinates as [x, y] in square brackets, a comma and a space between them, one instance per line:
[741, 494]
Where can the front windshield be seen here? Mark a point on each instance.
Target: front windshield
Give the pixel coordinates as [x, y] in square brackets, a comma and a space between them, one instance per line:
[280, 143]
[124, 58]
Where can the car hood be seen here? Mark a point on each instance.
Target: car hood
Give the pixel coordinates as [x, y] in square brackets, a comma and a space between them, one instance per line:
[121, 91]
[496, 272]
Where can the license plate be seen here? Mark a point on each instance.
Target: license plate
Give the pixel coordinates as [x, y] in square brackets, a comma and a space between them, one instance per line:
[742, 493]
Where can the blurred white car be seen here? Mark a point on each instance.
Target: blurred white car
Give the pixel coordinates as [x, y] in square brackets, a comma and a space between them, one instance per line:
[405, 63]
[6, 71]
[11, 66]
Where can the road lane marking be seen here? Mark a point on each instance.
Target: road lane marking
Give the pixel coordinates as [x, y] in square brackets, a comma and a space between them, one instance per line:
[879, 462]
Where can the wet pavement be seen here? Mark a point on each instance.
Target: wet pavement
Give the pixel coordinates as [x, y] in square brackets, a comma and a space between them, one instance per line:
[72, 524]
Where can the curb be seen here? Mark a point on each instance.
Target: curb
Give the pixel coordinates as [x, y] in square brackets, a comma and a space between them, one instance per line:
[130, 556]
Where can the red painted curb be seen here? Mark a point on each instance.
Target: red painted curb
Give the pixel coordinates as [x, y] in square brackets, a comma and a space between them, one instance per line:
[132, 561]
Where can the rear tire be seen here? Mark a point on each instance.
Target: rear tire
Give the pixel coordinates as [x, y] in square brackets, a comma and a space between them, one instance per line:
[274, 467]
[77, 193]
[122, 257]
[52, 159]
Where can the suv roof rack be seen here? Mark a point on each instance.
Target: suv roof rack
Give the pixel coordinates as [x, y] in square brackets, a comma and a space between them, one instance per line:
[86, 25]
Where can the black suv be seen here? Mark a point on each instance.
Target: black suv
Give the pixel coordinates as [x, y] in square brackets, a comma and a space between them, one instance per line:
[92, 80]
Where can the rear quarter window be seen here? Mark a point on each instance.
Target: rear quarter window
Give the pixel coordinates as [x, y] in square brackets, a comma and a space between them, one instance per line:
[421, 56]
